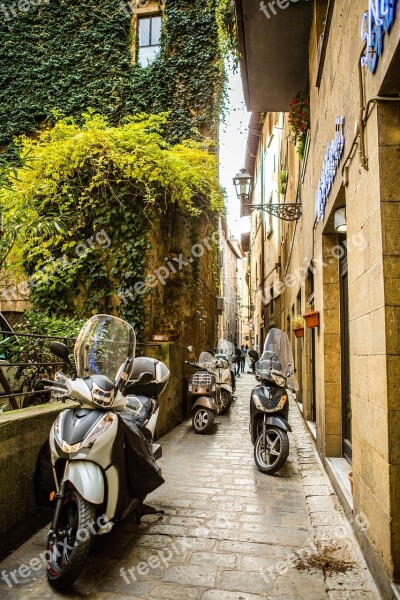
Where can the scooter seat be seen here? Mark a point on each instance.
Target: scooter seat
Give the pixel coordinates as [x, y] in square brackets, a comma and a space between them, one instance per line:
[142, 405]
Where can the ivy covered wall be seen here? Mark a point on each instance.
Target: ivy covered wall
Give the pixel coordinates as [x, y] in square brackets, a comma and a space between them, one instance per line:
[60, 58]
[69, 56]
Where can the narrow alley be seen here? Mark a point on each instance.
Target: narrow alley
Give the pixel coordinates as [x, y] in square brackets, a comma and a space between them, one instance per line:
[228, 532]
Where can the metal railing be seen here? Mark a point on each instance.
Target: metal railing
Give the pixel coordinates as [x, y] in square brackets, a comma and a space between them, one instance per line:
[20, 385]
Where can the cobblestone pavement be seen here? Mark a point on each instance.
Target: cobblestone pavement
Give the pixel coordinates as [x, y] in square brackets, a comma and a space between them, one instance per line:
[228, 533]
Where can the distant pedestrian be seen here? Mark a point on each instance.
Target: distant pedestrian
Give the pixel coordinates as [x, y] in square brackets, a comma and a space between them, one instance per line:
[238, 360]
[243, 358]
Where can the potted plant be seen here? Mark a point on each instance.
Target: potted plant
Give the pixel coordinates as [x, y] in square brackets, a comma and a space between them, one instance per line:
[311, 316]
[299, 120]
[298, 326]
[282, 187]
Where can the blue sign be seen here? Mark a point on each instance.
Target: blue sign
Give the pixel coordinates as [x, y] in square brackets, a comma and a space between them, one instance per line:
[333, 156]
[377, 21]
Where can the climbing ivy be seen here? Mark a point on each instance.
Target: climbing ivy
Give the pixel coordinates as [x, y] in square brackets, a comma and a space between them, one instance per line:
[108, 184]
[70, 56]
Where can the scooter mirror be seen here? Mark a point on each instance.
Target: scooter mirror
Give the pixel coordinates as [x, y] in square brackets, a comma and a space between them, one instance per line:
[60, 350]
[190, 349]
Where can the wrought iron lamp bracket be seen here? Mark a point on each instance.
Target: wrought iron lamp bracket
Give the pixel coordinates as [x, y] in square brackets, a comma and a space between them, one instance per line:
[286, 212]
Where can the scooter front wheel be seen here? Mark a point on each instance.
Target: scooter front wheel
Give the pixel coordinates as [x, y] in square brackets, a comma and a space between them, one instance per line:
[271, 458]
[203, 420]
[69, 547]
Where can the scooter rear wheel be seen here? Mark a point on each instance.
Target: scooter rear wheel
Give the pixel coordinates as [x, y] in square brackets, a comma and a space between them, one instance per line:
[271, 459]
[203, 420]
[68, 554]
[226, 401]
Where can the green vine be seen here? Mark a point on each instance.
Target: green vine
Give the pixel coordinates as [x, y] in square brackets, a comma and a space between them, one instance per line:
[109, 184]
[69, 56]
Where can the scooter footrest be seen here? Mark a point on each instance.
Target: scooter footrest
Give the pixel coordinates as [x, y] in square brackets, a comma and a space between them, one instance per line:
[157, 451]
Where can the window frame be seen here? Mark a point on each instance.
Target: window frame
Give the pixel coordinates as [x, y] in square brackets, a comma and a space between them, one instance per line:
[148, 17]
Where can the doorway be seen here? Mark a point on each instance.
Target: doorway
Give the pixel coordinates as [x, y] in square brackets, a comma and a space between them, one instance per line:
[345, 353]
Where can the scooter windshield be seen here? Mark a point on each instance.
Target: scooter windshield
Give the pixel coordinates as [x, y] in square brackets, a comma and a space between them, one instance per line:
[278, 356]
[226, 349]
[103, 345]
[206, 358]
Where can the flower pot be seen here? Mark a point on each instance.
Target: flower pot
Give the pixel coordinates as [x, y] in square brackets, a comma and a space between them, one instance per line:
[351, 481]
[312, 319]
[299, 332]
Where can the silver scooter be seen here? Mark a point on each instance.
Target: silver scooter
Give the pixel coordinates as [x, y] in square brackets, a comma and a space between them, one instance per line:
[219, 366]
[103, 465]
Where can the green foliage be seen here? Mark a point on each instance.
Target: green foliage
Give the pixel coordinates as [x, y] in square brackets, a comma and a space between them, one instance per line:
[31, 349]
[70, 56]
[108, 183]
[282, 185]
[227, 28]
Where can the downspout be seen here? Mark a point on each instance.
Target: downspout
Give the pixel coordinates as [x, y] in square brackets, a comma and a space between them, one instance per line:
[364, 115]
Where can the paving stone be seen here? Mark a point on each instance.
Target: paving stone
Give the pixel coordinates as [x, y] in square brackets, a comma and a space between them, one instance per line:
[246, 548]
[246, 581]
[235, 529]
[202, 576]
[317, 490]
[300, 586]
[214, 559]
[169, 591]
[221, 595]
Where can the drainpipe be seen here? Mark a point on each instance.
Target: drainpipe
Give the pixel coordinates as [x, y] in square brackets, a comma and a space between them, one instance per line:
[361, 125]
[364, 115]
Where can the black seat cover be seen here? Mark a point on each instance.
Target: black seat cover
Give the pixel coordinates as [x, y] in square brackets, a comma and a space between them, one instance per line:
[145, 411]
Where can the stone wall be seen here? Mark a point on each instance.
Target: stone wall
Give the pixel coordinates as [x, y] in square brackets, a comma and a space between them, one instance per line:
[22, 434]
[371, 197]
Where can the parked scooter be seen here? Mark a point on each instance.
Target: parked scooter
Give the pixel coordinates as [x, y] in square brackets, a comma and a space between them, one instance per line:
[226, 351]
[220, 368]
[204, 397]
[269, 403]
[102, 464]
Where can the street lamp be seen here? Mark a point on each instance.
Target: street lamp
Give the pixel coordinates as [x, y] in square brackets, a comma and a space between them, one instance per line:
[286, 212]
[243, 184]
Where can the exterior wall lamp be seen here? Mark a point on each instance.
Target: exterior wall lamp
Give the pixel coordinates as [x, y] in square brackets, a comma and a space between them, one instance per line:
[243, 183]
[340, 220]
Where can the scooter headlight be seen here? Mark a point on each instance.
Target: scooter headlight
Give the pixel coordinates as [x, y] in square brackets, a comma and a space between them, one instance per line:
[280, 380]
[101, 427]
[98, 429]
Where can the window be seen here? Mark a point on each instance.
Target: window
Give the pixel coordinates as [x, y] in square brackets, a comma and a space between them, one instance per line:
[149, 39]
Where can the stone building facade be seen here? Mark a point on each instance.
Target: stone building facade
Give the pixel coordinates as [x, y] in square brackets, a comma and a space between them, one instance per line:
[347, 366]
[229, 323]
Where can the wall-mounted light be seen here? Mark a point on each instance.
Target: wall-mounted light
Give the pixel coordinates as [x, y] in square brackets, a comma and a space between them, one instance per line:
[243, 182]
[340, 220]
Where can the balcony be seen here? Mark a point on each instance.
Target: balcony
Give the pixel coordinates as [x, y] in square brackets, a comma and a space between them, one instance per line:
[273, 45]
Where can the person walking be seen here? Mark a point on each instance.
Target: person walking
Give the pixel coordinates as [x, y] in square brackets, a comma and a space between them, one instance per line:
[243, 358]
[238, 359]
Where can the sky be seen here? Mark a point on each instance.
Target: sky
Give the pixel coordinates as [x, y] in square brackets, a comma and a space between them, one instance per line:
[233, 140]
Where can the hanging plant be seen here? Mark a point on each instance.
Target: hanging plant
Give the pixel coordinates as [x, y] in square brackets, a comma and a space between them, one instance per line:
[299, 120]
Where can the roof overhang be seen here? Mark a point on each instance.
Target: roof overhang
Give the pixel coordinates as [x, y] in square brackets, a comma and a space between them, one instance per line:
[253, 141]
[273, 50]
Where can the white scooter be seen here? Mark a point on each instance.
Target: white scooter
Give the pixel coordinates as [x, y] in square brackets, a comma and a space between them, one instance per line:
[219, 366]
[98, 450]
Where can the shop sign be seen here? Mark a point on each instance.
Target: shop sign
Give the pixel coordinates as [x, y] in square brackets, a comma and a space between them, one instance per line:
[333, 155]
[376, 22]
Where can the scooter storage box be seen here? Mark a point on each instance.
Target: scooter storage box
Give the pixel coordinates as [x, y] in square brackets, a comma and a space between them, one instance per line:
[158, 369]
